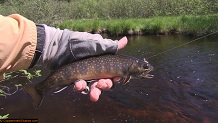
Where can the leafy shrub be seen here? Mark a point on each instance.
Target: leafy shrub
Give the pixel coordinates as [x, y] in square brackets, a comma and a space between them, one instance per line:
[55, 11]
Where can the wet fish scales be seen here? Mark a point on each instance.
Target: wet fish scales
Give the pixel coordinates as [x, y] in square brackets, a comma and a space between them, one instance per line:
[106, 66]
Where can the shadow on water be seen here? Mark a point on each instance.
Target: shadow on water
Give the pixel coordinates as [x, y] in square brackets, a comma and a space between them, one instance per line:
[185, 89]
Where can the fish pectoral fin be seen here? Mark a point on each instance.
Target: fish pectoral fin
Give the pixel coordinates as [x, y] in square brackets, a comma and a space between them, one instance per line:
[35, 94]
[124, 80]
[127, 79]
[59, 89]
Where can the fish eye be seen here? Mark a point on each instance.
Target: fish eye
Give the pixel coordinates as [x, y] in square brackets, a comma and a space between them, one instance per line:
[145, 66]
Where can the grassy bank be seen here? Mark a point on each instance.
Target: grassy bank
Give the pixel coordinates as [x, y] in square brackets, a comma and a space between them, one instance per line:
[200, 24]
[113, 16]
[53, 11]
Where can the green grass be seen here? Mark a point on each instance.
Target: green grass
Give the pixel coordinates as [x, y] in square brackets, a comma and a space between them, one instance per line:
[53, 11]
[116, 16]
[197, 25]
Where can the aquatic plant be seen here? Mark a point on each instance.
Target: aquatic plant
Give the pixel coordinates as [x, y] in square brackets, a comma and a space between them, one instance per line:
[6, 90]
[4, 117]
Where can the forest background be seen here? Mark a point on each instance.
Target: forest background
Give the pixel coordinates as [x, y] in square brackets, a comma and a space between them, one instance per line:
[120, 16]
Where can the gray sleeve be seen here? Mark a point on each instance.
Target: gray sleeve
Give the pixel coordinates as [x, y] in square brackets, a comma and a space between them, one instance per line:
[83, 44]
[64, 46]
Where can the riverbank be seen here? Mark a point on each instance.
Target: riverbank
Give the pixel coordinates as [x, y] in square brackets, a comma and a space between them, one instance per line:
[195, 25]
[53, 11]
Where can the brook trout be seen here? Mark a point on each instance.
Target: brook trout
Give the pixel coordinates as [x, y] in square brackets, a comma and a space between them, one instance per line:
[94, 68]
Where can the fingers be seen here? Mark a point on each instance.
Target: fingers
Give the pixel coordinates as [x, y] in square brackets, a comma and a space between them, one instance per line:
[116, 79]
[96, 87]
[94, 92]
[122, 43]
[104, 84]
[80, 85]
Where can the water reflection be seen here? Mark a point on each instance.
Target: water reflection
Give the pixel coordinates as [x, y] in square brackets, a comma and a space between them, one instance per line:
[185, 89]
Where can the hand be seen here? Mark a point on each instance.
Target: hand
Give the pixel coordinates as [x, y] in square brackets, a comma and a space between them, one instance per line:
[60, 47]
[102, 84]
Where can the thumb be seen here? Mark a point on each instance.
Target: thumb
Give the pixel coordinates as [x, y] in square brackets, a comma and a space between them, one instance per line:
[122, 43]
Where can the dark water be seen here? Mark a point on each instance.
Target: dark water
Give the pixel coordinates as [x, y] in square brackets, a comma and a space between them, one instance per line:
[185, 89]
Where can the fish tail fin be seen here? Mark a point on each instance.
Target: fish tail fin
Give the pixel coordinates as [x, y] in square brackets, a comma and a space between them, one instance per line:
[34, 93]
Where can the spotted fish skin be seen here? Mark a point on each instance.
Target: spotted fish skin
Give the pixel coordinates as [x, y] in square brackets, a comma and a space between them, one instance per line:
[94, 68]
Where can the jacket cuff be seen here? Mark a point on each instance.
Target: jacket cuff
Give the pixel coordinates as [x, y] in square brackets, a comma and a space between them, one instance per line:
[40, 44]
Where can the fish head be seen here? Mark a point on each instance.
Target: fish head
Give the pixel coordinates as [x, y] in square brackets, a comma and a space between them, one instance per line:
[141, 69]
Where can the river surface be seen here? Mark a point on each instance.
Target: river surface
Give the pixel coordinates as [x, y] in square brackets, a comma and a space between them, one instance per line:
[184, 89]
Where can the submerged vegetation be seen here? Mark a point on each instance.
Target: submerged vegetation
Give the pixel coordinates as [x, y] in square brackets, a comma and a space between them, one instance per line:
[6, 89]
[113, 16]
[4, 117]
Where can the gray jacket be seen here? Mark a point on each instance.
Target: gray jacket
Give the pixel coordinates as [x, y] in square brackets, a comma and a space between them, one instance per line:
[57, 47]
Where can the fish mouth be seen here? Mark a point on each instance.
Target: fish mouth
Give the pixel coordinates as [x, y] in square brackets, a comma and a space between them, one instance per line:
[146, 72]
[146, 75]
